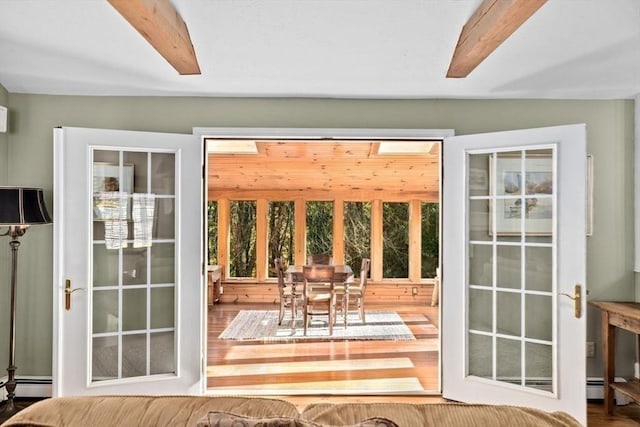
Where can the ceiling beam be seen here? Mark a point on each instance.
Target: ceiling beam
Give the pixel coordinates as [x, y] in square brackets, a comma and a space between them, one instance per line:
[491, 24]
[160, 23]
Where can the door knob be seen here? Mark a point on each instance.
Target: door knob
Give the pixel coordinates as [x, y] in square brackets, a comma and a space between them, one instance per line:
[67, 294]
[577, 300]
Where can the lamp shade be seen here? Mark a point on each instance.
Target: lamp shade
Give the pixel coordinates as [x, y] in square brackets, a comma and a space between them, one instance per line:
[22, 206]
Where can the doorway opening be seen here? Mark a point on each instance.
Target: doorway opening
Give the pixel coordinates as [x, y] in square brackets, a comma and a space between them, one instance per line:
[352, 199]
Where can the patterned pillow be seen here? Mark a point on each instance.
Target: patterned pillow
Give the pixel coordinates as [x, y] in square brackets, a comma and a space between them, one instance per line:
[228, 419]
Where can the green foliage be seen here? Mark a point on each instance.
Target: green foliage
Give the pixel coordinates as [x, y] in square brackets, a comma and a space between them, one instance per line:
[212, 232]
[395, 237]
[243, 239]
[281, 234]
[319, 227]
[430, 239]
[357, 233]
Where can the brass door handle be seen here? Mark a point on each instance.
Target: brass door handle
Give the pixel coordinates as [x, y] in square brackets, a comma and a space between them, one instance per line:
[577, 300]
[67, 294]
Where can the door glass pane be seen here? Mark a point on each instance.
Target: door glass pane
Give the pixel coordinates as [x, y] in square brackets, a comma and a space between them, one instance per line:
[134, 263]
[479, 219]
[134, 309]
[480, 310]
[538, 264]
[162, 350]
[104, 358]
[134, 355]
[510, 267]
[508, 313]
[481, 265]
[508, 357]
[480, 351]
[538, 368]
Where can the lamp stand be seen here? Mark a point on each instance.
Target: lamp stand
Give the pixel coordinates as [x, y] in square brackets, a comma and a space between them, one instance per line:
[9, 408]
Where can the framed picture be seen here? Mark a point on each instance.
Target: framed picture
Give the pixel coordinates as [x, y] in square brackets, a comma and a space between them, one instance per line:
[537, 186]
[110, 193]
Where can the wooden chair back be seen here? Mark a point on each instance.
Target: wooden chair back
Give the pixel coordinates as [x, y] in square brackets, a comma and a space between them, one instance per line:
[319, 259]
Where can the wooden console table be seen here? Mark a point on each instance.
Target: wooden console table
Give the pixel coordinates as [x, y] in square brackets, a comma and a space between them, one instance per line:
[624, 315]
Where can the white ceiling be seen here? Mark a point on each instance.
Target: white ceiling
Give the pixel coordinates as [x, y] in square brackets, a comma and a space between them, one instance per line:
[574, 49]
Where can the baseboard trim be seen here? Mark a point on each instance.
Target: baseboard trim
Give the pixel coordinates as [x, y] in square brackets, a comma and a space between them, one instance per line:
[28, 387]
[42, 387]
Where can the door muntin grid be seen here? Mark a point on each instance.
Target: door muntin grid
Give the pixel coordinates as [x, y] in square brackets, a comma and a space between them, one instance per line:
[511, 320]
[134, 264]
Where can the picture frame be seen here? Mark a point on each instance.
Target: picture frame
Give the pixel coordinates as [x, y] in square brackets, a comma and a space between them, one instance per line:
[109, 193]
[538, 189]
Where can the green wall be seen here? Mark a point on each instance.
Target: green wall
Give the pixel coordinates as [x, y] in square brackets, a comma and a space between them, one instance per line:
[4, 250]
[610, 127]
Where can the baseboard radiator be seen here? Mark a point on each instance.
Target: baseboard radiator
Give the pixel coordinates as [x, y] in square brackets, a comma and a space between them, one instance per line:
[595, 390]
[28, 387]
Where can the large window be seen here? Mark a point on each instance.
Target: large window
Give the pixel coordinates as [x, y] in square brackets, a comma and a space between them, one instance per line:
[395, 229]
[400, 237]
[242, 261]
[319, 227]
[357, 233]
[281, 220]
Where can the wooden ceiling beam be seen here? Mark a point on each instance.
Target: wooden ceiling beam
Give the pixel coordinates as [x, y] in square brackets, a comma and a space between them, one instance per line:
[160, 23]
[491, 24]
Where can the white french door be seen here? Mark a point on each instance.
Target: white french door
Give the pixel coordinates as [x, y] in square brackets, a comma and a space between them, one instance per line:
[514, 242]
[128, 285]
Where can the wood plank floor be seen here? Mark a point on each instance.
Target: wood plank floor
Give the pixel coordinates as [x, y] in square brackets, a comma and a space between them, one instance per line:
[321, 366]
[303, 373]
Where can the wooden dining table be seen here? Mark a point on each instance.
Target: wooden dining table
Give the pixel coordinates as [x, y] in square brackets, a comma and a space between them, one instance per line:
[341, 274]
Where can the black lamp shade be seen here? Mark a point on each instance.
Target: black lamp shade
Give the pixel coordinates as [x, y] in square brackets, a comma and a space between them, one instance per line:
[22, 206]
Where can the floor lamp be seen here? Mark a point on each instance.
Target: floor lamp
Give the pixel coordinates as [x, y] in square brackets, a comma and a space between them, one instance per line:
[20, 207]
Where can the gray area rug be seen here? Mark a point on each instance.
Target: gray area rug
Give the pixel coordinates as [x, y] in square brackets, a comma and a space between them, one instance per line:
[262, 325]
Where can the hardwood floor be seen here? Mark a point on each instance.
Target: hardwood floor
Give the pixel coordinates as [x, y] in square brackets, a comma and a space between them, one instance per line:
[227, 353]
[321, 366]
[258, 369]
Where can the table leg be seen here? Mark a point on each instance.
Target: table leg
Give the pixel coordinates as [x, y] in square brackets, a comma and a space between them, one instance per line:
[608, 361]
[345, 303]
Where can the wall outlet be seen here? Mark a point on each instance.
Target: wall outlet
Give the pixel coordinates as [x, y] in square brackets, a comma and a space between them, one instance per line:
[414, 291]
[221, 290]
[591, 349]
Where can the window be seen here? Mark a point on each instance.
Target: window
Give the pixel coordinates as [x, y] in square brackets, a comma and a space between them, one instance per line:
[395, 235]
[430, 214]
[242, 262]
[212, 232]
[281, 220]
[319, 227]
[357, 233]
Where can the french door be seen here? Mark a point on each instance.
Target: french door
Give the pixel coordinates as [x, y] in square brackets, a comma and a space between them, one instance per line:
[128, 285]
[514, 249]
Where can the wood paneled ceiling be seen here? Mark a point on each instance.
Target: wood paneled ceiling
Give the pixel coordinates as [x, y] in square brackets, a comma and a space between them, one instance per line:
[324, 170]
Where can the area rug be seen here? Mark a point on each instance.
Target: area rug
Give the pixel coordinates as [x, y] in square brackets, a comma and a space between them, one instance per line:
[262, 325]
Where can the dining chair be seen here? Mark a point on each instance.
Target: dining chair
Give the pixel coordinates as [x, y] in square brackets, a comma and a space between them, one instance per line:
[319, 259]
[346, 291]
[321, 299]
[289, 295]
